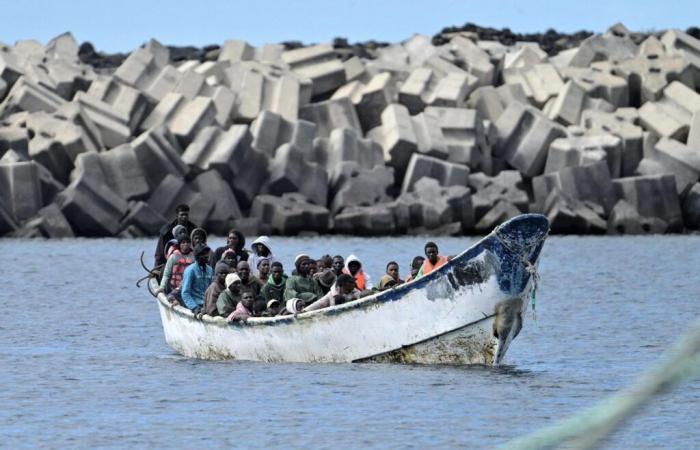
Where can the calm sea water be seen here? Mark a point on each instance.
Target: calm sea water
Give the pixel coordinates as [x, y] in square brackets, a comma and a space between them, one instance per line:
[83, 361]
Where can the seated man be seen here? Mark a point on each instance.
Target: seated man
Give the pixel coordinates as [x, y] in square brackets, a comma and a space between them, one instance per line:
[391, 278]
[229, 297]
[196, 279]
[353, 267]
[432, 261]
[344, 290]
[274, 288]
[325, 280]
[338, 265]
[301, 285]
[175, 268]
[244, 308]
[214, 290]
[248, 282]
[415, 267]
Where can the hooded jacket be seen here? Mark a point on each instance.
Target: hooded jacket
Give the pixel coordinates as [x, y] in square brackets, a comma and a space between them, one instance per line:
[198, 230]
[254, 257]
[362, 279]
[165, 235]
[195, 282]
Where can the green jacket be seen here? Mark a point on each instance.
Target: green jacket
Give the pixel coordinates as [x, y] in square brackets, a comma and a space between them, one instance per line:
[306, 289]
[274, 291]
[227, 302]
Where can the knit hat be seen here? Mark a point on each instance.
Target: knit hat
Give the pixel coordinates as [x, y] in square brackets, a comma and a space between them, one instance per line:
[300, 258]
[232, 278]
[294, 305]
[199, 231]
[261, 260]
[273, 303]
[199, 249]
[177, 229]
[221, 267]
[326, 278]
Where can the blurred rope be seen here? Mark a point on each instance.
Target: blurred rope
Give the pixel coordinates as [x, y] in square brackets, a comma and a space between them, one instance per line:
[590, 428]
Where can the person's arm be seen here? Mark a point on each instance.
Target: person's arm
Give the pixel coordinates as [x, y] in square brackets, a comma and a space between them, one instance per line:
[168, 272]
[322, 302]
[186, 291]
[290, 289]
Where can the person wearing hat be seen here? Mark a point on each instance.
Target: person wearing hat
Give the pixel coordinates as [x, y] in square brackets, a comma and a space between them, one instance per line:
[273, 308]
[302, 285]
[196, 279]
[274, 287]
[214, 290]
[181, 258]
[229, 297]
[166, 233]
[262, 249]
[344, 290]
[325, 279]
[179, 232]
[353, 267]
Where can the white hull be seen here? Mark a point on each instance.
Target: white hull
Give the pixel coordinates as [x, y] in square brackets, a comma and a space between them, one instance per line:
[451, 316]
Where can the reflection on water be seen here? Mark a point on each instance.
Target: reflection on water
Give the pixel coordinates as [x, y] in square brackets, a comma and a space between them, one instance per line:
[83, 361]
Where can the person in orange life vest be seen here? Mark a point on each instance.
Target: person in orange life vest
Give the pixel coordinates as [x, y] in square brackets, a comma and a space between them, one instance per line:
[416, 264]
[432, 261]
[353, 267]
[181, 257]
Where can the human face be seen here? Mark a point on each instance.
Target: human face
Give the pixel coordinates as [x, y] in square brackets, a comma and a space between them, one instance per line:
[265, 267]
[338, 264]
[203, 258]
[235, 287]
[354, 267]
[303, 267]
[185, 247]
[277, 274]
[312, 267]
[183, 217]
[221, 278]
[432, 254]
[229, 259]
[347, 288]
[232, 240]
[243, 272]
[247, 300]
[262, 250]
[197, 239]
[393, 271]
[181, 234]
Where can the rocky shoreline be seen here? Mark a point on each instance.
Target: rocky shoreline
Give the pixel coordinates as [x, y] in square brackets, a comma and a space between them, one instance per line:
[449, 134]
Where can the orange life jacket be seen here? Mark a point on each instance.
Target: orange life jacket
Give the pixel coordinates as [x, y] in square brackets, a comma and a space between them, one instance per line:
[179, 268]
[360, 279]
[429, 267]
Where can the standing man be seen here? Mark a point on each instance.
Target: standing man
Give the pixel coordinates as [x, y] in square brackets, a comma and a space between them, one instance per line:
[432, 260]
[196, 280]
[183, 218]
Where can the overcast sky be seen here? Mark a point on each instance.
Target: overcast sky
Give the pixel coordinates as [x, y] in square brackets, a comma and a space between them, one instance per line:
[125, 24]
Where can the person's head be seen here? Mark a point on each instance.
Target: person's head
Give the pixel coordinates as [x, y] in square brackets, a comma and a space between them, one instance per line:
[233, 283]
[313, 266]
[264, 266]
[326, 278]
[198, 236]
[229, 257]
[276, 272]
[221, 271]
[345, 283]
[338, 264]
[243, 270]
[416, 264]
[201, 254]
[273, 306]
[247, 299]
[392, 269]
[301, 262]
[179, 232]
[326, 262]
[354, 265]
[182, 213]
[261, 246]
[232, 239]
[185, 245]
[431, 252]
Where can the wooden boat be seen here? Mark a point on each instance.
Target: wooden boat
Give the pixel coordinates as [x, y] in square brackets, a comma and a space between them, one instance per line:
[466, 312]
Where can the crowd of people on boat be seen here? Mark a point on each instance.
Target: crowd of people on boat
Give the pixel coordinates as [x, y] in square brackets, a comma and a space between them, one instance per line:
[235, 283]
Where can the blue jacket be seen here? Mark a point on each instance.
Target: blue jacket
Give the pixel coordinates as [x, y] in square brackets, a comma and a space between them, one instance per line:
[195, 282]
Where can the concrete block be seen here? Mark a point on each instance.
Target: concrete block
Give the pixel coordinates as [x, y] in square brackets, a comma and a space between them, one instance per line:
[173, 191]
[226, 210]
[502, 211]
[113, 124]
[569, 215]
[331, 114]
[620, 125]
[7, 221]
[678, 43]
[356, 187]
[355, 69]
[290, 214]
[191, 118]
[580, 150]
[419, 48]
[522, 57]
[570, 103]
[625, 219]
[430, 206]
[85, 129]
[429, 137]
[26, 95]
[370, 99]
[318, 63]
[606, 47]
[672, 157]
[671, 115]
[291, 172]
[123, 172]
[271, 130]
[124, 99]
[465, 135]
[474, 59]
[490, 102]
[427, 86]
[144, 67]
[346, 146]
[540, 82]
[488, 191]
[14, 138]
[648, 75]
[10, 68]
[397, 137]
[225, 103]
[693, 132]
[599, 81]
[190, 83]
[590, 183]
[144, 217]
[20, 189]
[524, 135]
[164, 112]
[376, 220]
[236, 50]
[166, 81]
[158, 154]
[691, 208]
[446, 173]
[653, 196]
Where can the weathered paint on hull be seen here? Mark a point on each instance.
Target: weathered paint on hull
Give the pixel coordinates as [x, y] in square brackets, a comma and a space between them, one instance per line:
[453, 316]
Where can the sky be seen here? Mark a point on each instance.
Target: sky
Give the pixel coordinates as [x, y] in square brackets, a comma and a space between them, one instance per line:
[122, 25]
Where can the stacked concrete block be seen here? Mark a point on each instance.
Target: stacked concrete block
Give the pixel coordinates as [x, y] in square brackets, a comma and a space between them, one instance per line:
[446, 173]
[591, 183]
[678, 43]
[671, 115]
[691, 208]
[475, 60]
[524, 135]
[123, 99]
[625, 219]
[158, 154]
[355, 187]
[225, 103]
[426, 87]
[10, 68]
[226, 210]
[14, 138]
[20, 189]
[49, 222]
[346, 146]
[466, 136]
[190, 83]
[490, 102]
[567, 214]
[113, 125]
[370, 99]
[318, 63]
[144, 217]
[693, 133]
[376, 220]
[290, 171]
[540, 82]
[123, 172]
[652, 196]
[173, 191]
[620, 123]
[195, 115]
[501, 211]
[607, 47]
[571, 101]
[671, 157]
[331, 114]
[290, 214]
[582, 149]
[599, 81]
[235, 50]
[488, 192]
[271, 130]
[431, 206]
[29, 96]
[521, 57]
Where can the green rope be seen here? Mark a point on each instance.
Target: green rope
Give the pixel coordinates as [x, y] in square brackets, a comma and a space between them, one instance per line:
[588, 429]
